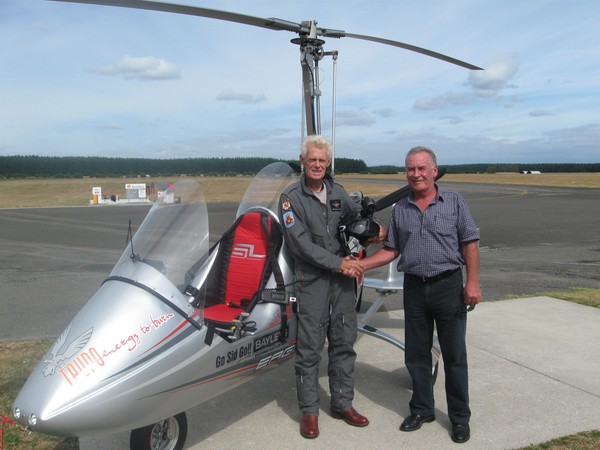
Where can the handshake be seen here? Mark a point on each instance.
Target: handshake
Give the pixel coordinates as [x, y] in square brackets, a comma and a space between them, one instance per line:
[351, 267]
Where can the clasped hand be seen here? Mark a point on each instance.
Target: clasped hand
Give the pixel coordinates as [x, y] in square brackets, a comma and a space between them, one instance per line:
[351, 267]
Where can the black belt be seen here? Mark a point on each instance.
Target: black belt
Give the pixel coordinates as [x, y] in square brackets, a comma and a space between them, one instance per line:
[437, 277]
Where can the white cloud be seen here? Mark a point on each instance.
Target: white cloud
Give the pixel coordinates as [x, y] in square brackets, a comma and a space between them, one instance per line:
[539, 113]
[446, 99]
[358, 118]
[496, 76]
[108, 127]
[141, 68]
[484, 84]
[383, 112]
[453, 120]
[230, 95]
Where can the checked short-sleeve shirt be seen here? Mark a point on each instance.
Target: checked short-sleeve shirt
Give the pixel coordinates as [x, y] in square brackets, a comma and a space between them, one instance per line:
[429, 242]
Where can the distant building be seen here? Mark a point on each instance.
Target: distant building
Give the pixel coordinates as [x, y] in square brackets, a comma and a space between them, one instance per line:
[532, 172]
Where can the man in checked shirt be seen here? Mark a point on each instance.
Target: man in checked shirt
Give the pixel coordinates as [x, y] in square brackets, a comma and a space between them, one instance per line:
[434, 232]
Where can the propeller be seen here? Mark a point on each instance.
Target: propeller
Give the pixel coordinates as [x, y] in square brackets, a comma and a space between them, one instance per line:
[307, 29]
[393, 197]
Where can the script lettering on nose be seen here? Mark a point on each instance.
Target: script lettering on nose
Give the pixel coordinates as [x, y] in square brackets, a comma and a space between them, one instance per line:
[245, 251]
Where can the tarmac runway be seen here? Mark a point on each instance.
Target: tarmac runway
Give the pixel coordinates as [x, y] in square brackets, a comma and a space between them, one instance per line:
[534, 240]
[534, 361]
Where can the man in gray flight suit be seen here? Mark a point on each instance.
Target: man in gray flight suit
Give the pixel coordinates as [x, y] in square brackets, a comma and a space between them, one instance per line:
[310, 212]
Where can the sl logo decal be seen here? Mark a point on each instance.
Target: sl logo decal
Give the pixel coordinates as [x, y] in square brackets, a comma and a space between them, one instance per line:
[245, 251]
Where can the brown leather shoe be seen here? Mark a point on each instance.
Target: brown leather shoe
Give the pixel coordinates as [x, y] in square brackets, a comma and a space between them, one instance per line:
[351, 417]
[309, 426]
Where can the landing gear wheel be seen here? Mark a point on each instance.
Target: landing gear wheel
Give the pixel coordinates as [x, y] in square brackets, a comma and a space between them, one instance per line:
[168, 434]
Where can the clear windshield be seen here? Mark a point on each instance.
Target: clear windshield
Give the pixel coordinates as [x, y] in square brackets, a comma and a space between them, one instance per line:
[266, 187]
[173, 236]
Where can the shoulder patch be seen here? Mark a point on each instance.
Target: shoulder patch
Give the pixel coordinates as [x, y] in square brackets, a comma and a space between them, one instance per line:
[288, 219]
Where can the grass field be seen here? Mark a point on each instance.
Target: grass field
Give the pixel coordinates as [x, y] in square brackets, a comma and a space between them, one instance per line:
[78, 192]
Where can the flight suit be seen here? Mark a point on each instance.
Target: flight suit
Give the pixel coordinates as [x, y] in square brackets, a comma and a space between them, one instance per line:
[326, 298]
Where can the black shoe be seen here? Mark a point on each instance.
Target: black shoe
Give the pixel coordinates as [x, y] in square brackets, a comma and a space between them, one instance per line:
[414, 422]
[461, 432]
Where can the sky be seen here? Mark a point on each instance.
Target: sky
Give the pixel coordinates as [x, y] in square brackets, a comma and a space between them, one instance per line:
[88, 80]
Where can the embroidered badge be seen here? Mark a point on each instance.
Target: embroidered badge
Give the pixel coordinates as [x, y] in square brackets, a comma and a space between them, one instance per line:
[289, 220]
[285, 205]
[336, 205]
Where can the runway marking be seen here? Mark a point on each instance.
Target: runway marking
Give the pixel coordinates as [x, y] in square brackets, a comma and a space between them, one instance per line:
[518, 194]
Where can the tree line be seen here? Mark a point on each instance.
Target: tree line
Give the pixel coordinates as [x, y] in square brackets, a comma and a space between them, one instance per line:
[103, 167]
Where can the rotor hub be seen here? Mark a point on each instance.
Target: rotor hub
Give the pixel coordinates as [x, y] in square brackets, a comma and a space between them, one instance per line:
[308, 41]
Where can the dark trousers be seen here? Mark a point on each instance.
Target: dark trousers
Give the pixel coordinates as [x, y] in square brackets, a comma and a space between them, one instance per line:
[440, 303]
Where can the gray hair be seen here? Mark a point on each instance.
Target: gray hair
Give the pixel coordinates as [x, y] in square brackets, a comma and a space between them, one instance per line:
[316, 141]
[421, 149]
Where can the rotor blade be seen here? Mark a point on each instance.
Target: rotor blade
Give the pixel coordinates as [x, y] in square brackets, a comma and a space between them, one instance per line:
[393, 197]
[412, 48]
[272, 23]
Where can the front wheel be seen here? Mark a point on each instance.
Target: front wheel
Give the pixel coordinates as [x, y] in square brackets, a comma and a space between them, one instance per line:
[168, 434]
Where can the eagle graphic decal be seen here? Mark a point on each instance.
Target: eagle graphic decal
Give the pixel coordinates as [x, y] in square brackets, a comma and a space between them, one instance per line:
[62, 351]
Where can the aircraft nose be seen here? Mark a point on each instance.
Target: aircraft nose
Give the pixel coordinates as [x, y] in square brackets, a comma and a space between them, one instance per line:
[27, 420]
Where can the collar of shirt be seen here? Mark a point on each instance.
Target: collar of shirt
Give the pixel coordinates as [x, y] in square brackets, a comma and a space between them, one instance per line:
[439, 196]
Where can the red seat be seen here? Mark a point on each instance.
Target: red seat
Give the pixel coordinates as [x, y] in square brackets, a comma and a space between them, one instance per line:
[240, 270]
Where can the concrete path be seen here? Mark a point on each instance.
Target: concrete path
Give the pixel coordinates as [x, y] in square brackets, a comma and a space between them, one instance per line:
[534, 376]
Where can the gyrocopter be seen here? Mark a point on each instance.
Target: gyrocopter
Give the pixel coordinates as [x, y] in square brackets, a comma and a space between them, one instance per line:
[179, 321]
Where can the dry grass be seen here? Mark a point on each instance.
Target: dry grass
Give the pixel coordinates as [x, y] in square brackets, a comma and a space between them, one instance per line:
[574, 180]
[78, 192]
[583, 296]
[588, 440]
[17, 360]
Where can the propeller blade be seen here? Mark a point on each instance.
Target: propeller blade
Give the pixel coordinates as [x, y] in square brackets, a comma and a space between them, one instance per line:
[414, 48]
[272, 23]
[393, 197]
